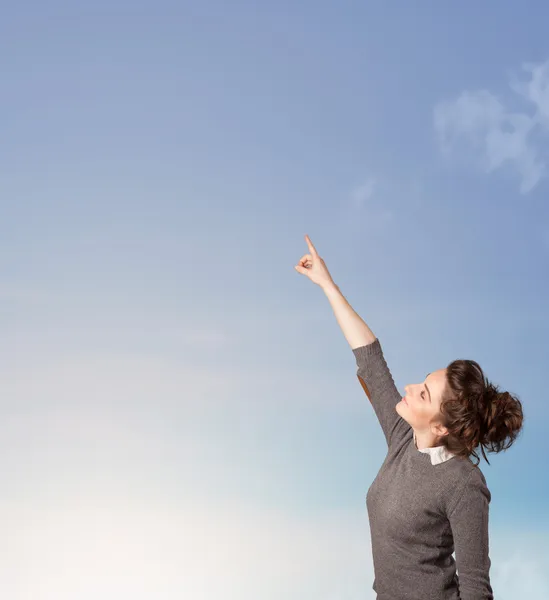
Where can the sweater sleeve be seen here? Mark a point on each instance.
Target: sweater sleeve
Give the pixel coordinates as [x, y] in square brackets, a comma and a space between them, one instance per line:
[469, 522]
[378, 384]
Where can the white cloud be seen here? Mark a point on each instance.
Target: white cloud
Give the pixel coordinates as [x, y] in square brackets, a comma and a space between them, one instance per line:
[480, 122]
[536, 90]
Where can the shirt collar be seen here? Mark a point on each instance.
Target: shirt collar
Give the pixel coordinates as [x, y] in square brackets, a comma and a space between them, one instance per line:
[438, 454]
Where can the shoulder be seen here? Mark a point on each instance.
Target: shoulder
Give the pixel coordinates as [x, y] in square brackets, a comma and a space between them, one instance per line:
[475, 480]
[464, 480]
[472, 488]
[463, 470]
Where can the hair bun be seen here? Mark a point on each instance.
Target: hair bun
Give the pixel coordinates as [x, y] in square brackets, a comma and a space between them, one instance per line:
[475, 411]
[502, 418]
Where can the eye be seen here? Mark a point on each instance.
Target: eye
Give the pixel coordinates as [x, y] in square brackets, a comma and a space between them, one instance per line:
[423, 394]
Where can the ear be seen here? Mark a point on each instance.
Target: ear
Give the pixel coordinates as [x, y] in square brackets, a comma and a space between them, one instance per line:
[439, 430]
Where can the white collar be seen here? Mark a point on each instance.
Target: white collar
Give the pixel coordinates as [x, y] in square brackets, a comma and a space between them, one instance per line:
[439, 454]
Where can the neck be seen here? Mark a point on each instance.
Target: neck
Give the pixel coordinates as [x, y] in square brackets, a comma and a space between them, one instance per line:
[425, 440]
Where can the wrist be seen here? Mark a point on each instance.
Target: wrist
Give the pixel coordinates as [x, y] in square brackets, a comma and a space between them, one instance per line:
[329, 287]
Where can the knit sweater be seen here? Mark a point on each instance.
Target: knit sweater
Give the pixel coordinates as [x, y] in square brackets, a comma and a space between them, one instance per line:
[422, 510]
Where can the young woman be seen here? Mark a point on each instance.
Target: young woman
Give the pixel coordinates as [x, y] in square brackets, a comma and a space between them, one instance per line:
[428, 500]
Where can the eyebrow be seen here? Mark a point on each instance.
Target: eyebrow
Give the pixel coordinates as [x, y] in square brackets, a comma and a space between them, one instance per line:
[428, 388]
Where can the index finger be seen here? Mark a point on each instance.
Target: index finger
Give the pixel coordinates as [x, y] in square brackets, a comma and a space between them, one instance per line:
[310, 244]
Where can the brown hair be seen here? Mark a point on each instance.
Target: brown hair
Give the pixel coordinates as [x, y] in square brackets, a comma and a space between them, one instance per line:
[476, 412]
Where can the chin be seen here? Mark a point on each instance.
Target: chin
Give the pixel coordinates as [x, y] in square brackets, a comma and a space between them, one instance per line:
[401, 410]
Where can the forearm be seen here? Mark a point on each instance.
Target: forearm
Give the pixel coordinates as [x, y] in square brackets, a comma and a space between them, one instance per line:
[355, 330]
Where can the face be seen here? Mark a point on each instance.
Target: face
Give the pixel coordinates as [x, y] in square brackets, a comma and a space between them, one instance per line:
[420, 407]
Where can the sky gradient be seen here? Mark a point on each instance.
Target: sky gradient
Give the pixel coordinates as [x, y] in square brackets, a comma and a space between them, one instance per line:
[180, 413]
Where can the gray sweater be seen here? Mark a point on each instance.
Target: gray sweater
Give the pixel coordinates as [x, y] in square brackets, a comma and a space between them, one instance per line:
[420, 513]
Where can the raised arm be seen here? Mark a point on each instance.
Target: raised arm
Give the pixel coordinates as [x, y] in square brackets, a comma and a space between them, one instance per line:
[372, 370]
[355, 330]
[373, 373]
[378, 384]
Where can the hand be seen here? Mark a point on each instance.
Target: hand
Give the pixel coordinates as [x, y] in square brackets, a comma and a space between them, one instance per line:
[314, 267]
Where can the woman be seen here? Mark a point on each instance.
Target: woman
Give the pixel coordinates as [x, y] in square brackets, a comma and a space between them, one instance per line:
[428, 499]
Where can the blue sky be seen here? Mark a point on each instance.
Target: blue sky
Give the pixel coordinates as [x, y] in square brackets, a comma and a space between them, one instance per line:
[181, 414]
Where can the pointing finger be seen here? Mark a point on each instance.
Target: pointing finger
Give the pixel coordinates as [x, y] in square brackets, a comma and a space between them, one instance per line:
[310, 244]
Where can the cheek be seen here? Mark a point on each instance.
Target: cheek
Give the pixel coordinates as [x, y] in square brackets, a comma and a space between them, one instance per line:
[434, 411]
[420, 408]
[416, 408]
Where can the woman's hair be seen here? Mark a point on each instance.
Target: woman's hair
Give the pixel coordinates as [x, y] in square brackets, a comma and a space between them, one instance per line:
[476, 412]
